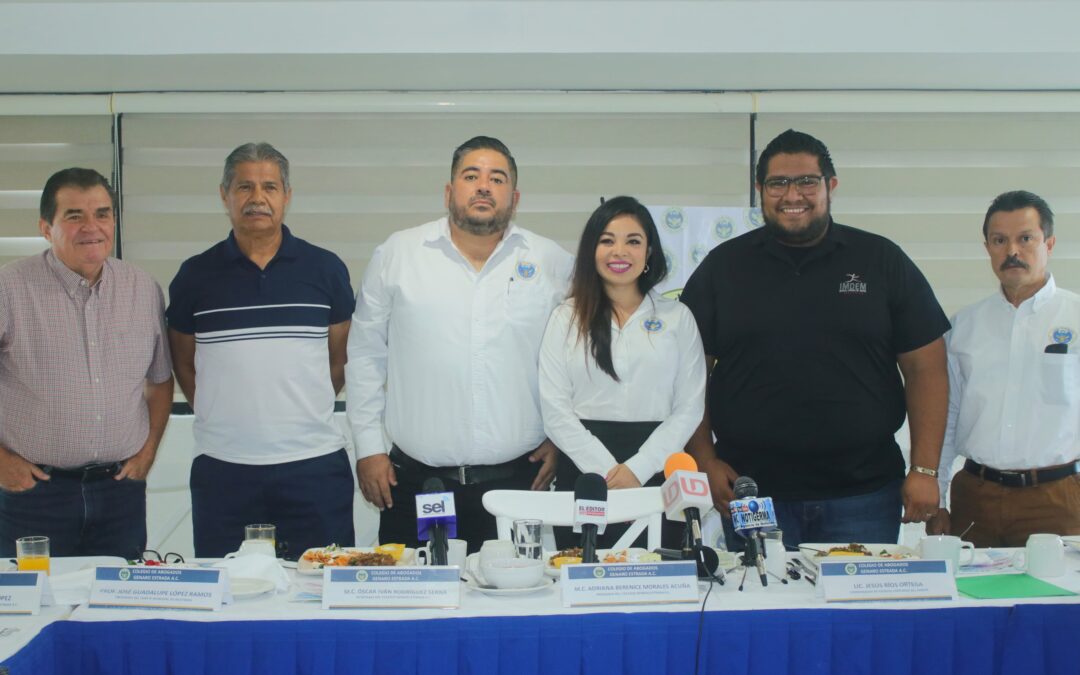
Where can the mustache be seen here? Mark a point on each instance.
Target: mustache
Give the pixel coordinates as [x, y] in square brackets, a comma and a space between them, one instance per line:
[257, 211]
[1013, 261]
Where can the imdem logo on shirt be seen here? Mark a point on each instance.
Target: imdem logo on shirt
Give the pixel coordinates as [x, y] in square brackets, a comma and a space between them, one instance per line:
[853, 283]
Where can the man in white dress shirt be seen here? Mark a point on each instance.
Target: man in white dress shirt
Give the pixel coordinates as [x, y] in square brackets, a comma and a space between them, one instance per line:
[1014, 402]
[442, 370]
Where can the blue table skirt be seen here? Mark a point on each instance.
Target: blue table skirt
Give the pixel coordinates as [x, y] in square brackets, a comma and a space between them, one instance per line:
[983, 640]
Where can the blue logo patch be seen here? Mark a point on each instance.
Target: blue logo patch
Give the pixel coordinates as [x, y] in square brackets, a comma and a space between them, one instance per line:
[674, 219]
[526, 270]
[723, 228]
[652, 325]
[1062, 335]
[754, 218]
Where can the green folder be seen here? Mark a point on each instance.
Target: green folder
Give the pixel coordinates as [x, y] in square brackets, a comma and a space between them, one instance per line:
[1001, 586]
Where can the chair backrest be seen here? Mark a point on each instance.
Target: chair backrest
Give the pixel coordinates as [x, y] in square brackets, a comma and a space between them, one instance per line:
[642, 507]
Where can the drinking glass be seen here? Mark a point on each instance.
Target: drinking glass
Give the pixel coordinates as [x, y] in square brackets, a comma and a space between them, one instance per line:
[32, 554]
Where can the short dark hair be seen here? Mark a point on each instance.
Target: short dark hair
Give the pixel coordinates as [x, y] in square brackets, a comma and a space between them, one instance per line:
[84, 179]
[254, 152]
[484, 143]
[1021, 199]
[793, 142]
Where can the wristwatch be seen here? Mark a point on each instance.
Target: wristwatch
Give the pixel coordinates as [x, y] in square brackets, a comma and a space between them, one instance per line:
[923, 470]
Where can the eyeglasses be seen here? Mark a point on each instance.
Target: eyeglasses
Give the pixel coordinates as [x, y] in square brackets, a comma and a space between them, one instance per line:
[152, 557]
[777, 186]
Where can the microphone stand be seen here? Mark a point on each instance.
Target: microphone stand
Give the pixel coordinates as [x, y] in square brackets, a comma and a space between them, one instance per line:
[754, 557]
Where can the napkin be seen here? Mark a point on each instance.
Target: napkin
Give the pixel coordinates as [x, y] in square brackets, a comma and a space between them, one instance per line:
[72, 588]
[256, 566]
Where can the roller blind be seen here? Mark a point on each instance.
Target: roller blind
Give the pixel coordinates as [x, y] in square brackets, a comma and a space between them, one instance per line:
[32, 148]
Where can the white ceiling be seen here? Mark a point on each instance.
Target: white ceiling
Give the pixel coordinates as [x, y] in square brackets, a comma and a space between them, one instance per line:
[523, 45]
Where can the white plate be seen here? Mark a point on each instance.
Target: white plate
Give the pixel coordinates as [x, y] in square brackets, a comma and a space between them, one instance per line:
[471, 584]
[246, 587]
[878, 552]
[408, 557]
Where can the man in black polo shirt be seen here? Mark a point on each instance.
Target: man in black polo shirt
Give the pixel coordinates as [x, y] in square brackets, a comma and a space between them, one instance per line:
[806, 321]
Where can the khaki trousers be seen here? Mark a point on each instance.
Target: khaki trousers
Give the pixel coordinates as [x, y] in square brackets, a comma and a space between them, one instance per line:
[1006, 516]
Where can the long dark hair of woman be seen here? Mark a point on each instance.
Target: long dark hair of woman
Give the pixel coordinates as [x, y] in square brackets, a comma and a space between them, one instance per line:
[592, 307]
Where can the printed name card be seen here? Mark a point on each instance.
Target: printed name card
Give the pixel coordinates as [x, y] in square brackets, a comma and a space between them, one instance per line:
[159, 587]
[21, 592]
[629, 583]
[883, 580]
[400, 587]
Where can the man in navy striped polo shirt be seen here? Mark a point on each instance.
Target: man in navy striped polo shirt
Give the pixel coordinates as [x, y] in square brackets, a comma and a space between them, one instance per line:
[258, 325]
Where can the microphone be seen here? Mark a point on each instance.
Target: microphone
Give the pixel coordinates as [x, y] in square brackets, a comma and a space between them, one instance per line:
[686, 496]
[751, 517]
[590, 512]
[436, 520]
[707, 559]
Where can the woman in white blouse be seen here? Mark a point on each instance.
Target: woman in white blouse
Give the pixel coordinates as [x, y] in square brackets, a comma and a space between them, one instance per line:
[622, 371]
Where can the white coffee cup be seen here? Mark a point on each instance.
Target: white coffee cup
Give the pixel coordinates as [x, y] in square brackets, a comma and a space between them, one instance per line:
[946, 547]
[775, 555]
[496, 549]
[253, 546]
[1044, 556]
[455, 553]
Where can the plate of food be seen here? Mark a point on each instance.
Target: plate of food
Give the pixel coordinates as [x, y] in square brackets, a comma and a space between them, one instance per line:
[556, 559]
[815, 553]
[314, 560]
[626, 555]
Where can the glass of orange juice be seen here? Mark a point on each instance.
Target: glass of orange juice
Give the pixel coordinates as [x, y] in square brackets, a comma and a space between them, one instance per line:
[32, 554]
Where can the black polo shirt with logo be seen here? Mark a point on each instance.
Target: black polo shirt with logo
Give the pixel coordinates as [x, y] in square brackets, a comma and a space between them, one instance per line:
[806, 394]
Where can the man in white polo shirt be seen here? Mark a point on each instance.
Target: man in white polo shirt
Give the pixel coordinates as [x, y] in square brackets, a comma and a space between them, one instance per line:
[442, 372]
[1014, 400]
[258, 325]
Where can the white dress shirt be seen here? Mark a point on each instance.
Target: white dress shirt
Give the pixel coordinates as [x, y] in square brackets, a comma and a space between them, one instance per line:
[658, 357]
[442, 358]
[1012, 405]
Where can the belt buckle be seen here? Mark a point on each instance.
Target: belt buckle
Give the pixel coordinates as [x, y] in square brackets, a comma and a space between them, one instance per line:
[1023, 475]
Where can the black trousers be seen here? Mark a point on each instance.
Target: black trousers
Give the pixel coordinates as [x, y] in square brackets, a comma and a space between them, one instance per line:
[474, 524]
[622, 439]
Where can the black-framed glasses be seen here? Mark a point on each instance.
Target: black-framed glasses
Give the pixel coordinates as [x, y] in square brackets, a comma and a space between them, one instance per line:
[777, 186]
[153, 557]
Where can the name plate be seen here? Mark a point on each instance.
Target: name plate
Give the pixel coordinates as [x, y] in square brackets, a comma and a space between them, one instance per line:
[20, 592]
[883, 580]
[400, 587]
[629, 583]
[160, 587]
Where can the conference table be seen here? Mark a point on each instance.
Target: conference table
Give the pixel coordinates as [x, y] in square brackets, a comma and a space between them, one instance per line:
[784, 628]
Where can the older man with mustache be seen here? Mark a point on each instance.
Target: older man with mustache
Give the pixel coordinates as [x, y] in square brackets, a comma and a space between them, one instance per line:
[1014, 402]
[258, 325]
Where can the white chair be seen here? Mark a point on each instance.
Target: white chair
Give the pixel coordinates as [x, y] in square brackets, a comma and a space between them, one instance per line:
[642, 507]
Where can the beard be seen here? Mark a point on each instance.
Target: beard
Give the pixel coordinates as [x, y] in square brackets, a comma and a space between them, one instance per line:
[809, 234]
[492, 224]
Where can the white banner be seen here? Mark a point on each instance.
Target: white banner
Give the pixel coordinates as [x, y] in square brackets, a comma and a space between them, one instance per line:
[688, 233]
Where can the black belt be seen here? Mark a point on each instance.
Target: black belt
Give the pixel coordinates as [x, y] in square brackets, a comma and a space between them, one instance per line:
[1025, 478]
[90, 473]
[463, 475]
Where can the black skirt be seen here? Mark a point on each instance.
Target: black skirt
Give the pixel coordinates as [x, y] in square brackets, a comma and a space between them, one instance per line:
[622, 440]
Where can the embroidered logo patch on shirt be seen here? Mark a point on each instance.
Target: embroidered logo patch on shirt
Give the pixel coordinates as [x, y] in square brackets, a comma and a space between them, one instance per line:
[1062, 335]
[853, 283]
[652, 325]
[526, 270]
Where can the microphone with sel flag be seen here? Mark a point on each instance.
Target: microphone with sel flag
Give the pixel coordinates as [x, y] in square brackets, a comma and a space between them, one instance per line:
[590, 512]
[436, 519]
